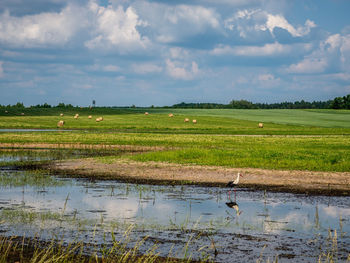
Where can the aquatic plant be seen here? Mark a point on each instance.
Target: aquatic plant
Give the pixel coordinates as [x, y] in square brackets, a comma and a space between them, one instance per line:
[57, 251]
[33, 178]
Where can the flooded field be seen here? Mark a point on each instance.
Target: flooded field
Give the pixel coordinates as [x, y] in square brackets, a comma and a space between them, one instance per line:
[182, 220]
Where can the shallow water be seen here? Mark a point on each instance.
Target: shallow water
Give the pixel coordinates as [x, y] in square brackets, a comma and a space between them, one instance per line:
[291, 226]
[9, 156]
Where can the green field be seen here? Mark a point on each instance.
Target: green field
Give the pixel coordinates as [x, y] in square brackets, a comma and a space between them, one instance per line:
[223, 121]
[316, 140]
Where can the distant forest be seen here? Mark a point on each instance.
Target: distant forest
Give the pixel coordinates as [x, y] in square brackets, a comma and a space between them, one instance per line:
[336, 103]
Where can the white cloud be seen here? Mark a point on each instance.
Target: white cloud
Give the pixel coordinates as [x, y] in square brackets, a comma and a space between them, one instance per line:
[333, 53]
[178, 71]
[198, 16]
[309, 65]
[173, 23]
[251, 21]
[178, 53]
[146, 68]
[274, 21]
[41, 29]
[116, 28]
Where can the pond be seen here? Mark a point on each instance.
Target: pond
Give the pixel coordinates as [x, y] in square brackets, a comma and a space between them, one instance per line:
[180, 219]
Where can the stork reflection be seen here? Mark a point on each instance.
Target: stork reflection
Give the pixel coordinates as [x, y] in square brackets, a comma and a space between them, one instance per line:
[234, 206]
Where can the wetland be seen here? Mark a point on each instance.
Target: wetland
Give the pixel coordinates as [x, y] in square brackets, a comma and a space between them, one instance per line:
[150, 188]
[183, 221]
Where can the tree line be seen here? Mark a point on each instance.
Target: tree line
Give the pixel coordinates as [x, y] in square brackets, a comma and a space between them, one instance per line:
[336, 103]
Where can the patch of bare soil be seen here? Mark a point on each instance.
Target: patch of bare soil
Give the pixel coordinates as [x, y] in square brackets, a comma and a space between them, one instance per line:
[324, 183]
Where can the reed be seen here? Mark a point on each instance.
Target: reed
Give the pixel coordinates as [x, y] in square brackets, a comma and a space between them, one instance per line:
[21, 249]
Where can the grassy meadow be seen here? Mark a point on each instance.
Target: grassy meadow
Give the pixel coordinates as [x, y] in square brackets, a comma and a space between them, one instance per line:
[316, 140]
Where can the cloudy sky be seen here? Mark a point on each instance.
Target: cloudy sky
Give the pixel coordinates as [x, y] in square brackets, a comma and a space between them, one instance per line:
[153, 52]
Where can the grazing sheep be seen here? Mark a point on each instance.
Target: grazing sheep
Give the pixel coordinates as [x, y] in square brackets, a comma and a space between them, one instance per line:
[61, 114]
[60, 124]
[76, 117]
[22, 113]
[194, 121]
[261, 125]
[99, 119]
[90, 117]
[146, 113]
[187, 120]
[171, 115]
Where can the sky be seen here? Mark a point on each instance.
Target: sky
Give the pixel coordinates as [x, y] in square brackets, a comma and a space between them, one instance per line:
[153, 52]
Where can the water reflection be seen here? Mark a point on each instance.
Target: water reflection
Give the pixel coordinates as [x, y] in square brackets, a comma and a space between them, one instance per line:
[234, 206]
[172, 213]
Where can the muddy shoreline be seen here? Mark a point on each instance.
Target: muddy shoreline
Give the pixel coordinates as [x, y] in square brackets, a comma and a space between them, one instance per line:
[302, 182]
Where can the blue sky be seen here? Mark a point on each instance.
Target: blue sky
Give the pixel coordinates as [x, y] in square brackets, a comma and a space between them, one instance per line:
[152, 52]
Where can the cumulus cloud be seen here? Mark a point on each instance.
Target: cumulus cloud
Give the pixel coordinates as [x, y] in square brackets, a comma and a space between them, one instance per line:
[248, 22]
[178, 53]
[41, 29]
[175, 23]
[116, 28]
[146, 68]
[274, 21]
[309, 65]
[184, 72]
[97, 26]
[332, 54]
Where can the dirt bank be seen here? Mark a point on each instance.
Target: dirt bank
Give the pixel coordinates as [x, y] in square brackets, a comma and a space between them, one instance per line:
[325, 183]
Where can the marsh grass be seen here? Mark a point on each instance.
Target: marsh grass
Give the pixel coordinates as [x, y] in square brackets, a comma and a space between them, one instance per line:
[329, 250]
[33, 178]
[35, 251]
[32, 158]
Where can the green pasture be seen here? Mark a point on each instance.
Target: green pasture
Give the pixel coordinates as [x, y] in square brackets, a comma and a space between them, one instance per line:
[316, 153]
[316, 118]
[315, 140]
[221, 121]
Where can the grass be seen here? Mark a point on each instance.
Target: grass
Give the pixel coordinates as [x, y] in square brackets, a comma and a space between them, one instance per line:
[283, 122]
[38, 178]
[315, 153]
[24, 250]
[209, 142]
